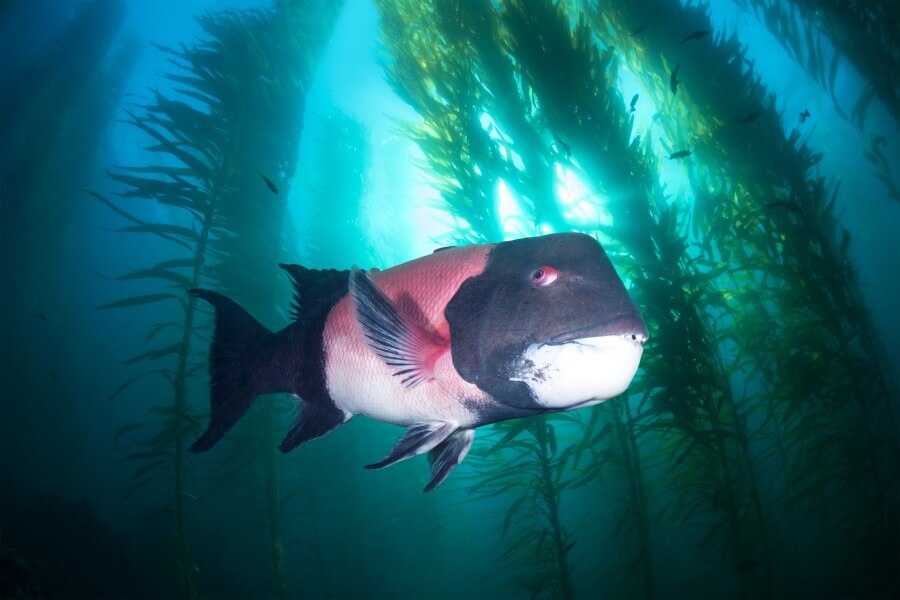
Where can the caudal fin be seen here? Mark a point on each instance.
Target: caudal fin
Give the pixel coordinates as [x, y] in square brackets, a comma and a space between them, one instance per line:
[239, 349]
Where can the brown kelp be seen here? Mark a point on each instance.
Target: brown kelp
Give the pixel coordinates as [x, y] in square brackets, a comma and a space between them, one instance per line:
[823, 390]
[262, 63]
[230, 236]
[526, 462]
[863, 32]
[565, 91]
[192, 186]
[860, 34]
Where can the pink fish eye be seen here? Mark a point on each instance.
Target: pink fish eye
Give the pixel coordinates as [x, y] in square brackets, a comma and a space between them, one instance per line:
[544, 276]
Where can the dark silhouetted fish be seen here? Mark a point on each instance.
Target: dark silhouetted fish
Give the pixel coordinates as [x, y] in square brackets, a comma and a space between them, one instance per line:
[269, 183]
[679, 154]
[804, 115]
[638, 31]
[40, 315]
[443, 344]
[54, 376]
[562, 147]
[702, 33]
[749, 117]
[634, 100]
[673, 80]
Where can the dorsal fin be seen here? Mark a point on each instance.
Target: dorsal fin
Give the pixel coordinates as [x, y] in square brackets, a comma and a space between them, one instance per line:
[314, 285]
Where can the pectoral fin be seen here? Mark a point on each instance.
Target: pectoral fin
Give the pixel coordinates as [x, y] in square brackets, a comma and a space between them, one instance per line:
[418, 438]
[449, 453]
[395, 336]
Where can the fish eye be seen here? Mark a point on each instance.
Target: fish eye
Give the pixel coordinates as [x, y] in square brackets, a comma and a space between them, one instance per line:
[544, 276]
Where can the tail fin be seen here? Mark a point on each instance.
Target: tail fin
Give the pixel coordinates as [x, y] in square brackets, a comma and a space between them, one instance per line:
[239, 349]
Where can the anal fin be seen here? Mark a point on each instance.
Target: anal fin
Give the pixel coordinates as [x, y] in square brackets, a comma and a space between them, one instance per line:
[314, 422]
[449, 453]
[417, 439]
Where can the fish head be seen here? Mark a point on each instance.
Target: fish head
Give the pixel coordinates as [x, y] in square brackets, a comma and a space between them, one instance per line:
[547, 325]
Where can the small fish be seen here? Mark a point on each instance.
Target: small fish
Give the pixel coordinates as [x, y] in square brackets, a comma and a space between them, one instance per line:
[563, 147]
[54, 376]
[127, 94]
[673, 80]
[634, 100]
[804, 115]
[750, 117]
[40, 315]
[679, 154]
[791, 206]
[269, 183]
[638, 31]
[746, 565]
[699, 34]
[441, 345]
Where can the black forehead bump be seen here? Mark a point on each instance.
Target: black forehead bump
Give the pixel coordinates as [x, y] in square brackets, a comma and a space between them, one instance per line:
[561, 250]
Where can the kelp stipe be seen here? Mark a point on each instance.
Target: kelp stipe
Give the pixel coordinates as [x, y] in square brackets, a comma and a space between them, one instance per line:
[692, 404]
[260, 64]
[758, 211]
[591, 115]
[213, 150]
[193, 188]
[526, 463]
[455, 118]
[861, 34]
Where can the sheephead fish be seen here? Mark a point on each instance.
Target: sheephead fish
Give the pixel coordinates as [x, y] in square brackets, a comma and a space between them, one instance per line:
[443, 344]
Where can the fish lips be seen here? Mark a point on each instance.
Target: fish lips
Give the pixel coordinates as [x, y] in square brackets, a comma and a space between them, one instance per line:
[629, 324]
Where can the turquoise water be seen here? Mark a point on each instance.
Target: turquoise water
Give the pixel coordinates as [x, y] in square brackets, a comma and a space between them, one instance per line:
[154, 147]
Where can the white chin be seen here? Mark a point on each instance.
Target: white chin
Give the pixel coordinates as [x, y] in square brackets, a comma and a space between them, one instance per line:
[581, 372]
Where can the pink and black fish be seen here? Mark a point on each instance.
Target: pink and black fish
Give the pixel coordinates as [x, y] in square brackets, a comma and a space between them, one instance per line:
[443, 344]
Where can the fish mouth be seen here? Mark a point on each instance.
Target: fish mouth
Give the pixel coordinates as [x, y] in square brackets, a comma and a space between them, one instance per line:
[628, 325]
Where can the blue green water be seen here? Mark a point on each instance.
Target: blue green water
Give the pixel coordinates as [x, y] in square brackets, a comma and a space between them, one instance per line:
[755, 454]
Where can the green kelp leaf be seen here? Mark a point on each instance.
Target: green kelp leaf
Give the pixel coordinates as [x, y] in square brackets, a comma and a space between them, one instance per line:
[510, 513]
[134, 219]
[155, 330]
[171, 412]
[176, 263]
[128, 383]
[513, 431]
[138, 301]
[551, 438]
[162, 229]
[125, 430]
[174, 172]
[154, 354]
[153, 273]
[153, 465]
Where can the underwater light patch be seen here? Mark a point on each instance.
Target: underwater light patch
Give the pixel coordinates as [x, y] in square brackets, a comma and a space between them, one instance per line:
[579, 206]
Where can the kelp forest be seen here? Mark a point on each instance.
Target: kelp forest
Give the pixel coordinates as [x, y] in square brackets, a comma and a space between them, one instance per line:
[735, 159]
